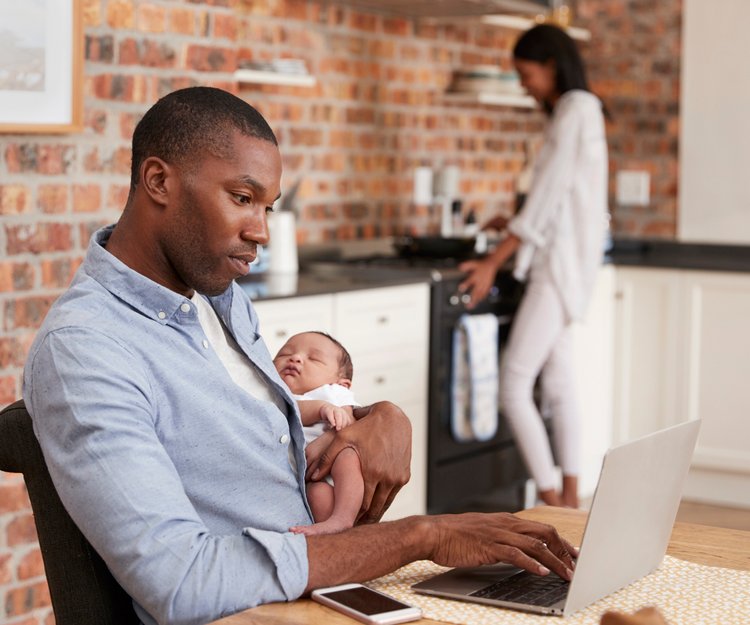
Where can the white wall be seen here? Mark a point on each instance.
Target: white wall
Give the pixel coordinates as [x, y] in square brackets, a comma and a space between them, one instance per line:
[714, 194]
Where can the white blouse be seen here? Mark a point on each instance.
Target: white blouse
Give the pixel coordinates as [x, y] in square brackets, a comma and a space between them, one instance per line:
[563, 223]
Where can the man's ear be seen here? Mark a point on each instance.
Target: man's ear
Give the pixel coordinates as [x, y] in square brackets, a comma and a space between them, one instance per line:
[345, 382]
[155, 174]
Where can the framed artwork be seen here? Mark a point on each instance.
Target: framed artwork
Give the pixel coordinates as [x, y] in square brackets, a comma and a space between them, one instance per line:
[41, 66]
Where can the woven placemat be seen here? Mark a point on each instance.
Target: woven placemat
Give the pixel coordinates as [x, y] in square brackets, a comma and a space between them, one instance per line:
[685, 593]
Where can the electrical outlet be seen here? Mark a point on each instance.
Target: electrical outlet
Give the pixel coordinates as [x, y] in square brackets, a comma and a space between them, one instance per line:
[633, 188]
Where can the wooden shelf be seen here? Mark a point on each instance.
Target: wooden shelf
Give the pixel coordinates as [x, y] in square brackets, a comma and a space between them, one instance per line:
[517, 22]
[258, 77]
[493, 99]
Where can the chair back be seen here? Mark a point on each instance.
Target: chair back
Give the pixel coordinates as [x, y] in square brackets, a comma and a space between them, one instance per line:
[82, 589]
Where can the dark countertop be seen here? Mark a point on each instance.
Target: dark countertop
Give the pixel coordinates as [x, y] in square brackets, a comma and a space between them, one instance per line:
[677, 255]
[323, 280]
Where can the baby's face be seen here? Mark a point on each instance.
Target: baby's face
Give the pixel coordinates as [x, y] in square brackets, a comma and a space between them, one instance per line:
[307, 361]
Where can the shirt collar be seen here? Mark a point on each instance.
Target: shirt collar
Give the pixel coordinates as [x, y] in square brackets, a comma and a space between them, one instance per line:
[151, 299]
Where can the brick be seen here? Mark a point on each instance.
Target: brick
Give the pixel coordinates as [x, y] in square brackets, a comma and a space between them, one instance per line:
[100, 49]
[117, 196]
[211, 58]
[225, 26]
[87, 198]
[120, 14]
[91, 12]
[58, 273]
[182, 21]
[151, 18]
[16, 276]
[14, 199]
[95, 120]
[27, 312]
[21, 157]
[40, 237]
[128, 122]
[52, 198]
[8, 394]
[14, 350]
[5, 569]
[31, 565]
[24, 599]
[13, 496]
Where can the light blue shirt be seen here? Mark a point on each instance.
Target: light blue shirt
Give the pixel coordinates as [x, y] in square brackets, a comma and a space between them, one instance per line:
[177, 477]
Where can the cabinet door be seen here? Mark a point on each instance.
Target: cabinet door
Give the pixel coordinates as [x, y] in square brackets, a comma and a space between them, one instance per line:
[282, 318]
[386, 331]
[594, 360]
[717, 364]
[648, 351]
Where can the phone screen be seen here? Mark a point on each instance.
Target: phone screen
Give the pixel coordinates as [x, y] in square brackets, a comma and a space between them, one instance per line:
[366, 601]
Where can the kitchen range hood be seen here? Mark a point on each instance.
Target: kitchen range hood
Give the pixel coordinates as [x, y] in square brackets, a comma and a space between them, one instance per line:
[447, 8]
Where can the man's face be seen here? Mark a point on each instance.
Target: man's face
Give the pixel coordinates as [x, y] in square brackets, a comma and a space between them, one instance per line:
[218, 216]
[309, 360]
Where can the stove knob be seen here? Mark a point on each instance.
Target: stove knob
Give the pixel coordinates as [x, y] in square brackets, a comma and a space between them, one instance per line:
[465, 298]
[454, 300]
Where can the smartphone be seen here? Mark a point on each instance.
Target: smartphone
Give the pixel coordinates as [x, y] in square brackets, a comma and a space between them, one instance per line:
[366, 605]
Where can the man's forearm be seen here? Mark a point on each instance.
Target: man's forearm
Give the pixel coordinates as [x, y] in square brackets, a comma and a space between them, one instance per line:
[365, 551]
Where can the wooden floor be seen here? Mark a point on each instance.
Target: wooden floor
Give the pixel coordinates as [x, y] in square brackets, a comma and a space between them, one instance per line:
[718, 516]
[705, 514]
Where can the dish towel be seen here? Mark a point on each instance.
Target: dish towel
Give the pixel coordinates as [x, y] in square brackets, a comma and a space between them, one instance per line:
[474, 387]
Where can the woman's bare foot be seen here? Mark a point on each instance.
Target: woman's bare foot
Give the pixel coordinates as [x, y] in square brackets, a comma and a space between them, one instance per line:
[550, 497]
[570, 491]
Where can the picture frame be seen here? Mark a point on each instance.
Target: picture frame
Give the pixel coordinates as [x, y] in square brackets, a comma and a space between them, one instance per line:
[41, 66]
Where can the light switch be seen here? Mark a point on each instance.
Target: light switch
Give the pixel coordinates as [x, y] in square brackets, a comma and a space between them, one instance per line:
[633, 188]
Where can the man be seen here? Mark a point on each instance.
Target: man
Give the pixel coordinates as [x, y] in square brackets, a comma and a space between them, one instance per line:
[169, 435]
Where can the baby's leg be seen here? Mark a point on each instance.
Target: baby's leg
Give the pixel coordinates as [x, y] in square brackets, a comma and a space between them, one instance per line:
[348, 490]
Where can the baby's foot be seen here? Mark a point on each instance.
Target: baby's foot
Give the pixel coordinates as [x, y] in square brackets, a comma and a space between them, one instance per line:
[330, 526]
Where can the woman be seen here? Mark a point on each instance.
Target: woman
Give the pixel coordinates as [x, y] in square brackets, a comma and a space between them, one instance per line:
[558, 239]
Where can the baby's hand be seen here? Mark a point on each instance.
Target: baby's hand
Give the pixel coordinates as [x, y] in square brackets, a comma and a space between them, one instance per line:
[338, 416]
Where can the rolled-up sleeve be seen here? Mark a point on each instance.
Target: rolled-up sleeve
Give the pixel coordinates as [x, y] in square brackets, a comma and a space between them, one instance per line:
[95, 415]
[553, 178]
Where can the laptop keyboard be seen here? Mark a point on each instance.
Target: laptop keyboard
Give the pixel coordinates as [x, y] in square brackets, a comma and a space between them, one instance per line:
[525, 587]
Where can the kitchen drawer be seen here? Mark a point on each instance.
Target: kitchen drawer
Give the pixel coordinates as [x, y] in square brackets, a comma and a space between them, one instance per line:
[395, 375]
[383, 317]
[282, 318]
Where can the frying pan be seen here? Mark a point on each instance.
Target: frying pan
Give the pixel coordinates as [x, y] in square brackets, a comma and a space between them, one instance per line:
[435, 247]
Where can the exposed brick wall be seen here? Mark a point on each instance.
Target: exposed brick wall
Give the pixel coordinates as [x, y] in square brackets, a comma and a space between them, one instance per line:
[634, 63]
[355, 138]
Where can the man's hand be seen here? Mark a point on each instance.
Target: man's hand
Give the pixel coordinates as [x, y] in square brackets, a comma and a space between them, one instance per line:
[338, 417]
[381, 436]
[472, 539]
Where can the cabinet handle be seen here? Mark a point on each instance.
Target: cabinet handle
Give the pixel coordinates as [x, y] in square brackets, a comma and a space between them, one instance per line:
[380, 379]
[383, 319]
[280, 334]
[619, 295]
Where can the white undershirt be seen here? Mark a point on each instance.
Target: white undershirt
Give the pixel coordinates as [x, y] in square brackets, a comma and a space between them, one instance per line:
[240, 368]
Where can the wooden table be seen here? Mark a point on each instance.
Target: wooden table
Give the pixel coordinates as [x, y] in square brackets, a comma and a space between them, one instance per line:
[714, 546]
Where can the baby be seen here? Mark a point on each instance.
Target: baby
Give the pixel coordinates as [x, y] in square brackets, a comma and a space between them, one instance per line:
[318, 371]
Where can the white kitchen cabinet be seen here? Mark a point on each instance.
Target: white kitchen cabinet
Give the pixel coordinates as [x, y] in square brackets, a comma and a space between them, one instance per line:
[386, 331]
[593, 341]
[683, 352]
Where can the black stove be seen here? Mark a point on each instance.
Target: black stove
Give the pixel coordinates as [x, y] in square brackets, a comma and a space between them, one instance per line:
[461, 476]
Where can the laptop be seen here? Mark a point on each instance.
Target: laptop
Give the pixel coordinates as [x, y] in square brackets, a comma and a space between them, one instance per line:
[626, 535]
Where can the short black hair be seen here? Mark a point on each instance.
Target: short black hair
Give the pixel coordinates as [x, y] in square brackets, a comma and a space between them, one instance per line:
[345, 359]
[185, 124]
[544, 42]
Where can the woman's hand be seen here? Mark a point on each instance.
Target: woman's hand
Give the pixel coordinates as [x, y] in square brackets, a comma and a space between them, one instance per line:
[381, 436]
[479, 281]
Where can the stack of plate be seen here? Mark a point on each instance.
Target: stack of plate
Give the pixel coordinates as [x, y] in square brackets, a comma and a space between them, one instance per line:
[485, 79]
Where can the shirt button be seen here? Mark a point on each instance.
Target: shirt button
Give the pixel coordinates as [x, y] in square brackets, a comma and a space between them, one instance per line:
[284, 439]
[162, 315]
[185, 307]
[205, 343]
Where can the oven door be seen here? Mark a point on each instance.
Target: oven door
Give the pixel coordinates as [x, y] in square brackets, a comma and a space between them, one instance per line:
[471, 475]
